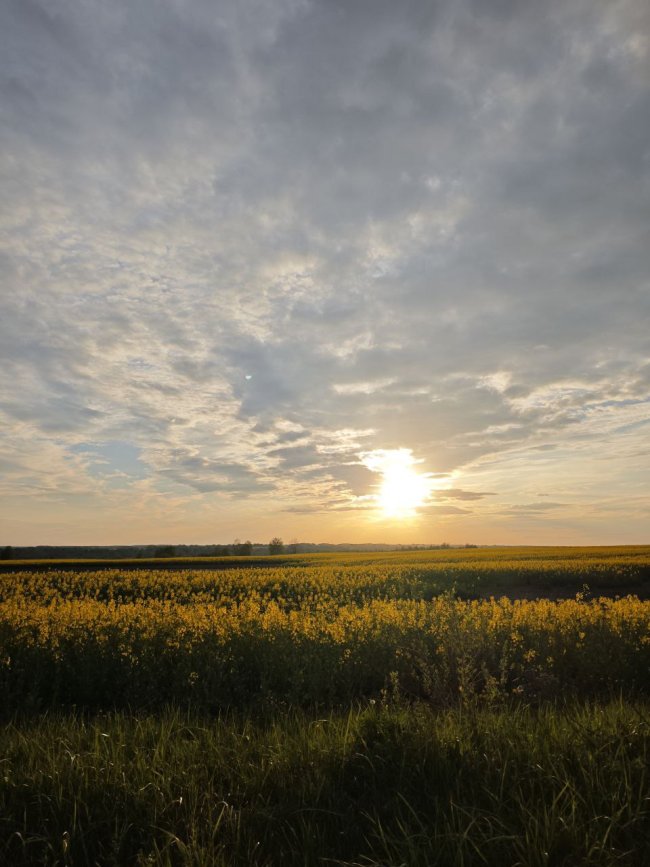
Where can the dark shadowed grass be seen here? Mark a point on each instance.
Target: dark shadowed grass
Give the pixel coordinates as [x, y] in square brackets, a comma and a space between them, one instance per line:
[381, 785]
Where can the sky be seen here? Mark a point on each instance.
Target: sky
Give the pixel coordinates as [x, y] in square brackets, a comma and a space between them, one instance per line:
[334, 271]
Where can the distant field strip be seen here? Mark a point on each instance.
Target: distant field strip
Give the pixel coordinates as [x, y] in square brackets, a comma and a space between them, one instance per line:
[347, 577]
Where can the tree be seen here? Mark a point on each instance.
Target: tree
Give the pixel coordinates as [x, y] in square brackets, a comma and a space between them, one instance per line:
[165, 551]
[276, 545]
[242, 549]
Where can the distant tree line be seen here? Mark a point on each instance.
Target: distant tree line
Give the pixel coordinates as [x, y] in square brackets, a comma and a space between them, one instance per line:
[235, 549]
[123, 552]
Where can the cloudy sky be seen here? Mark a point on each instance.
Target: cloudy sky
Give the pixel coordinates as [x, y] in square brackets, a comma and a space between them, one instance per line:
[255, 254]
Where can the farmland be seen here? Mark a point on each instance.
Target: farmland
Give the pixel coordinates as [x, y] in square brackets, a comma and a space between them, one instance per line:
[480, 706]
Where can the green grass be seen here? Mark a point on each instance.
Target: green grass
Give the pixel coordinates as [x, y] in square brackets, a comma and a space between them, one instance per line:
[381, 785]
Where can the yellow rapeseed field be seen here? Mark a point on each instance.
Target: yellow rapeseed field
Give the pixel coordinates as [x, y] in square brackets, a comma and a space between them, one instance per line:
[326, 632]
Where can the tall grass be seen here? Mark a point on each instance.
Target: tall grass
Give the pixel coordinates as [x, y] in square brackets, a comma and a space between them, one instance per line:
[383, 785]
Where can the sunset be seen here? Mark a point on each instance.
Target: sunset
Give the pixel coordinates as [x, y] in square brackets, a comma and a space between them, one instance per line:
[244, 245]
[403, 491]
[324, 433]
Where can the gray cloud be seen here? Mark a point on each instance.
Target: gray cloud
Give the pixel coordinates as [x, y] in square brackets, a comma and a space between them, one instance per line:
[253, 240]
[458, 494]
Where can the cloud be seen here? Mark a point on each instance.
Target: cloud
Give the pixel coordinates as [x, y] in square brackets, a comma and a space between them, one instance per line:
[252, 241]
[458, 494]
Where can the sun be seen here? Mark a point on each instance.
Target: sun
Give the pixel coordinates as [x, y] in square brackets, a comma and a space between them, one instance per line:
[402, 490]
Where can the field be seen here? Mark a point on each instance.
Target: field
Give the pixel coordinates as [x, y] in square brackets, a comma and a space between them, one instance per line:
[478, 706]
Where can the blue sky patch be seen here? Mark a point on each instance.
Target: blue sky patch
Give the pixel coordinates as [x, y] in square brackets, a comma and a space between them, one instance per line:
[112, 460]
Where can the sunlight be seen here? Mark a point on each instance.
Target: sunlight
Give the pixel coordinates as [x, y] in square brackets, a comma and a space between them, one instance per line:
[402, 489]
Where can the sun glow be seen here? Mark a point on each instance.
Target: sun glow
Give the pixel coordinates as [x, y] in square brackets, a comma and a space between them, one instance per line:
[402, 490]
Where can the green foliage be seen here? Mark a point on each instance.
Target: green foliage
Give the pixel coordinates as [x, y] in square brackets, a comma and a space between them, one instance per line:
[381, 785]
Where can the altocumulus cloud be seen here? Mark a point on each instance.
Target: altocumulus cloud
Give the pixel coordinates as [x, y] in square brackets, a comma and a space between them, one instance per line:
[245, 243]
